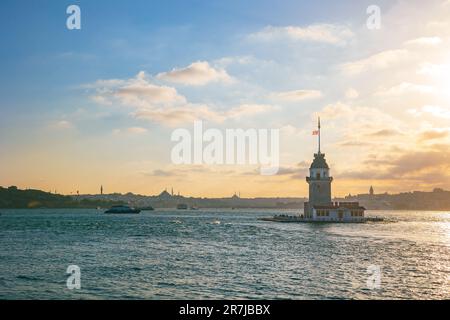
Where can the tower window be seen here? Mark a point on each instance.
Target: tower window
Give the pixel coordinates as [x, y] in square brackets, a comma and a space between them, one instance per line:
[318, 175]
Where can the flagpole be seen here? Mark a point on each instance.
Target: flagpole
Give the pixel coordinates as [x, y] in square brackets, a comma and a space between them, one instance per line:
[319, 134]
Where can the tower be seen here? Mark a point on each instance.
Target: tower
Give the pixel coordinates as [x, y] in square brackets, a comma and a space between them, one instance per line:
[101, 190]
[371, 191]
[319, 180]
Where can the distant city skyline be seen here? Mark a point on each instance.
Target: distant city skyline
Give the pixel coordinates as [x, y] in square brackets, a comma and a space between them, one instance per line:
[371, 191]
[96, 107]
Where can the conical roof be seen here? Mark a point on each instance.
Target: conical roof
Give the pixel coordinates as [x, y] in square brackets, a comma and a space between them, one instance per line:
[319, 161]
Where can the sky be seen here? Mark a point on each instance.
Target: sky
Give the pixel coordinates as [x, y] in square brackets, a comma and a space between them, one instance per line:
[97, 106]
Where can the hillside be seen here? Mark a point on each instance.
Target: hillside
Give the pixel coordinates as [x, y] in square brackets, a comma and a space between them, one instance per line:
[14, 198]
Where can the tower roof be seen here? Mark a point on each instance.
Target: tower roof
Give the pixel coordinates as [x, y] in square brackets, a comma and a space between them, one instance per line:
[319, 162]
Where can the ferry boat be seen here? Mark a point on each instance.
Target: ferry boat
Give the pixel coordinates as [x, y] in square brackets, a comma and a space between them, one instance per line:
[122, 210]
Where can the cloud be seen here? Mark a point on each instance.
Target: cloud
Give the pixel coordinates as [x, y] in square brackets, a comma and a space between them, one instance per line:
[292, 131]
[245, 110]
[99, 99]
[436, 111]
[323, 33]
[430, 165]
[136, 92]
[301, 167]
[351, 93]
[61, 125]
[163, 173]
[187, 170]
[425, 41]
[105, 83]
[192, 112]
[433, 134]
[381, 60]
[406, 88]
[296, 95]
[297, 171]
[438, 71]
[361, 126]
[196, 74]
[178, 115]
[355, 144]
[384, 133]
[163, 104]
[131, 131]
[366, 119]
[144, 94]
[412, 166]
[238, 60]
[335, 110]
[430, 69]
[414, 161]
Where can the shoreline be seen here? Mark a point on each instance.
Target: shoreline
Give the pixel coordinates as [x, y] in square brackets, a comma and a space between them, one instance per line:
[218, 208]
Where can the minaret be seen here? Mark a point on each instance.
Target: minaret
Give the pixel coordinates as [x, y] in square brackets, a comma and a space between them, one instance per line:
[319, 180]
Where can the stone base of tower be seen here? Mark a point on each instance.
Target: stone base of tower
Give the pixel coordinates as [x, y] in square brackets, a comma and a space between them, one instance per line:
[334, 211]
[307, 210]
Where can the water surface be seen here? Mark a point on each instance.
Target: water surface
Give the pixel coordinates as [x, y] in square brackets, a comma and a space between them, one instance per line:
[189, 255]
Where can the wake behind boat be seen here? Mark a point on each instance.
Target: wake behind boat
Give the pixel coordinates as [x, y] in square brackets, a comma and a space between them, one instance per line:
[122, 210]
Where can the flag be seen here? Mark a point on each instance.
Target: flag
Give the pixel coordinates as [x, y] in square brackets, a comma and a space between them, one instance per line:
[315, 132]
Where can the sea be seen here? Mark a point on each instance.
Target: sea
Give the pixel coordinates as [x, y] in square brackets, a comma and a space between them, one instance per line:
[221, 254]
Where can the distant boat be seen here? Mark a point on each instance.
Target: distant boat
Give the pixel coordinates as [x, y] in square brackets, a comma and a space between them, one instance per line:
[122, 210]
[193, 208]
[182, 206]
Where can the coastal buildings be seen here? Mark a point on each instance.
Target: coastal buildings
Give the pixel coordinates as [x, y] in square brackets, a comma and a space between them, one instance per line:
[320, 206]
